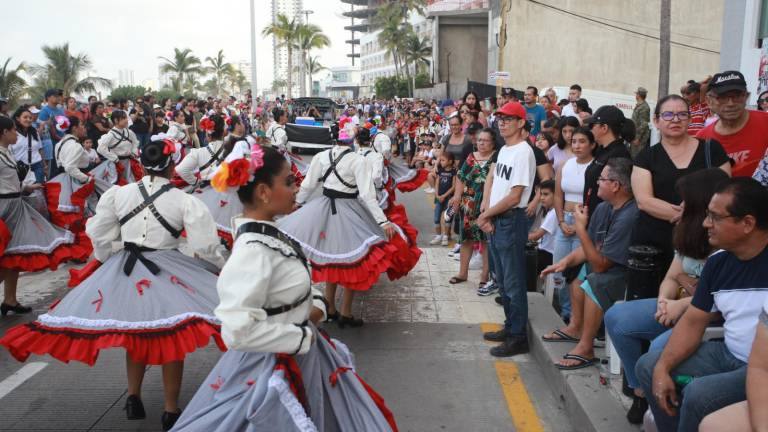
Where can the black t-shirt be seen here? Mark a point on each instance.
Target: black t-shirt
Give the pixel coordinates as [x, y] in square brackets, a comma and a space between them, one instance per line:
[664, 177]
[616, 149]
[541, 159]
[189, 119]
[444, 179]
[140, 125]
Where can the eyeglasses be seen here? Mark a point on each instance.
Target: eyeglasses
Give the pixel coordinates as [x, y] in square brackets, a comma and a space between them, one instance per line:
[670, 115]
[763, 100]
[716, 218]
[506, 119]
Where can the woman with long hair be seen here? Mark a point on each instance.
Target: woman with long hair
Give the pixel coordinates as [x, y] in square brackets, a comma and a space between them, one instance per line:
[148, 298]
[121, 147]
[560, 153]
[472, 102]
[28, 146]
[633, 323]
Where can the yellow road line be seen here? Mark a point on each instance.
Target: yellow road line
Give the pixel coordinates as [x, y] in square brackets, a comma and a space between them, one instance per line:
[518, 402]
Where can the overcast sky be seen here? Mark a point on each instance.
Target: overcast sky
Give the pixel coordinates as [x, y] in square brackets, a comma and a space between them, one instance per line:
[131, 35]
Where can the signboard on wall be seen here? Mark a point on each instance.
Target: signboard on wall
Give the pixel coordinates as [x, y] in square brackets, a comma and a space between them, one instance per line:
[762, 73]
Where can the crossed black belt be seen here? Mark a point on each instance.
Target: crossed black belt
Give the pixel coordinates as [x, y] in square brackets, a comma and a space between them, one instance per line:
[334, 195]
[135, 253]
[10, 195]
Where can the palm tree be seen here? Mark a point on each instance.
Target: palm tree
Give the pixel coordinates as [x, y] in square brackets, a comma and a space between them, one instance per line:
[237, 80]
[11, 83]
[417, 53]
[182, 66]
[391, 36]
[220, 69]
[308, 37]
[63, 70]
[313, 67]
[285, 33]
[277, 84]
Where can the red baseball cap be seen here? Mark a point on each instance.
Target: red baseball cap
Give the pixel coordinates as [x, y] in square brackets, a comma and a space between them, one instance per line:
[512, 109]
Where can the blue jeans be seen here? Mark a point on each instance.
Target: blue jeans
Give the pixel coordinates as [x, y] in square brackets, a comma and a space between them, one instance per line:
[629, 324]
[143, 139]
[39, 171]
[563, 246]
[720, 380]
[203, 140]
[508, 245]
[440, 207]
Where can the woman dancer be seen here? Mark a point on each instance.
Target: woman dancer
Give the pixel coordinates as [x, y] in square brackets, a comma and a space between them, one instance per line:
[72, 195]
[27, 148]
[28, 242]
[347, 240]
[121, 147]
[177, 130]
[199, 167]
[278, 137]
[148, 298]
[280, 372]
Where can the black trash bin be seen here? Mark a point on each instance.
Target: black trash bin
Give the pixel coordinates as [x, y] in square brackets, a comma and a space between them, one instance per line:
[644, 272]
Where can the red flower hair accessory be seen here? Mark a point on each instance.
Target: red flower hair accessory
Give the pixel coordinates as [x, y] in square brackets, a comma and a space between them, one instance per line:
[206, 124]
[62, 123]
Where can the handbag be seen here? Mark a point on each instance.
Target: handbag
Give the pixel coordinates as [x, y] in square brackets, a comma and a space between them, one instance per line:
[23, 168]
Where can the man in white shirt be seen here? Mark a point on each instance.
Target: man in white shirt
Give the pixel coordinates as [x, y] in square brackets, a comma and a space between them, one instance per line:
[507, 188]
[574, 94]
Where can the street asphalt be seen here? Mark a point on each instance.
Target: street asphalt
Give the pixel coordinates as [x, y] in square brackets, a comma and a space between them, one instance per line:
[426, 358]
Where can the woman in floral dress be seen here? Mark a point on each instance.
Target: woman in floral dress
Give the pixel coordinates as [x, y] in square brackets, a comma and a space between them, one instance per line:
[466, 203]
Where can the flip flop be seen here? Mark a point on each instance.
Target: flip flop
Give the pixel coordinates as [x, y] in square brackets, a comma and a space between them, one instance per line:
[562, 337]
[583, 362]
[455, 280]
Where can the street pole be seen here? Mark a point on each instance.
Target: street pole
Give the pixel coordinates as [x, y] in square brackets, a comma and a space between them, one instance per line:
[254, 88]
[304, 54]
[664, 47]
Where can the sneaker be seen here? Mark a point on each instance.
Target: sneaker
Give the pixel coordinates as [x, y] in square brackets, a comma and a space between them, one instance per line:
[638, 409]
[476, 262]
[487, 289]
[429, 190]
[455, 250]
[511, 346]
[436, 240]
[444, 241]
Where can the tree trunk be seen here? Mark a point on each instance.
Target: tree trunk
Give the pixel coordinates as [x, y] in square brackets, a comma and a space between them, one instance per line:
[309, 72]
[664, 47]
[289, 72]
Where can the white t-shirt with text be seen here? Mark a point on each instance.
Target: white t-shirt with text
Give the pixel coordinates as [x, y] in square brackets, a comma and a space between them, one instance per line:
[515, 166]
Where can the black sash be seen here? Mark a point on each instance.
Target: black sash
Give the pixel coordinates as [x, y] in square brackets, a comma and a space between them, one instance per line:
[120, 137]
[271, 231]
[135, 254]
[332, 168]
[214, 157]
[334, 195]
[149, 202]
[10, 195]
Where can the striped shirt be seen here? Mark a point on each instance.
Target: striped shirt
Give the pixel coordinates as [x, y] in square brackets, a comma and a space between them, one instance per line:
[699, 114]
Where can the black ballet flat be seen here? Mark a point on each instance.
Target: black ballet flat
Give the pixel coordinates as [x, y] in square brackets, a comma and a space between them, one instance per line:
[332, 317]
[350, 321]
[169, 419]
[134, 408]
[17, 309]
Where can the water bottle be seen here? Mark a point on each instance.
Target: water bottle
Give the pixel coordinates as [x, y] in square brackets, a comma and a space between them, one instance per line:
[681, 381]
[449, 214]
[605, 373]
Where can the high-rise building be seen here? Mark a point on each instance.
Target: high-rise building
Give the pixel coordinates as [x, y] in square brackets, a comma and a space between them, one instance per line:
[291, 9]
[125, 77]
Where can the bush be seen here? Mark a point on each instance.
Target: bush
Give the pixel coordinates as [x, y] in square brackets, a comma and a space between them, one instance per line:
[128, 92]
[423, 80]
[389, 87]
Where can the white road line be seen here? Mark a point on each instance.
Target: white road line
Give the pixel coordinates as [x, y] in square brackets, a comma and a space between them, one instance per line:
[28, 371]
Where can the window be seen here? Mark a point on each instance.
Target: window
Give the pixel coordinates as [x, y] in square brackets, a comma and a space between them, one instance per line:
[762, 31]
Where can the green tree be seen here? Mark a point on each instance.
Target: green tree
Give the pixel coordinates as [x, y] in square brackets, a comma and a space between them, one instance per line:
[285, 33]
[391, 36]
[422, 80]
[389, 87]
[166, 93]
[12, 84]
[220, 69]
[64, 70]
[418, 53]
[128, 92]
[309, 37]
[313, 67]
[183, 66]
[237, 81]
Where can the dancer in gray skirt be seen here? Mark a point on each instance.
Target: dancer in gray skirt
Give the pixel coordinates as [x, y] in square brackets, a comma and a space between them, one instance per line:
[148, 298]
[281, 373]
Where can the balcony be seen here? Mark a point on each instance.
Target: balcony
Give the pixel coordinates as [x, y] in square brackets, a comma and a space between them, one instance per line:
[356, 2]
[436, 6]
[360, 13]
[357, 27]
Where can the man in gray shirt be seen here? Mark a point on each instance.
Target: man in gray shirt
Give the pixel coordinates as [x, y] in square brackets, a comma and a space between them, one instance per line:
[603, 258]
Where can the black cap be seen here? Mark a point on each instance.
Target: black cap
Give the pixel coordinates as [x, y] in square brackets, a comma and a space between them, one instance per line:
[53, 92]
[727, 81]
[507, 91]
[607, 114]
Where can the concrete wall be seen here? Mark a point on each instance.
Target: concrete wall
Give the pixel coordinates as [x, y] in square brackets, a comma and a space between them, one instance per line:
[545, 47]
[467, 41]
[437, 92]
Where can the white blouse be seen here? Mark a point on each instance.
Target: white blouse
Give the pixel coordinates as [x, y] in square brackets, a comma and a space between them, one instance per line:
[110, 149]
[177, 132]
[21, 149]
[278, 136]
[195, 159]
[9, 178]
[383, 145]
[352, 168]
[72, 157]
[180, 209]
[375, 163]
[263, 272]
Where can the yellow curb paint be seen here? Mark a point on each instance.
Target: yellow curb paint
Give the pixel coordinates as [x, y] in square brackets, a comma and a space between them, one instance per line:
[518, 401]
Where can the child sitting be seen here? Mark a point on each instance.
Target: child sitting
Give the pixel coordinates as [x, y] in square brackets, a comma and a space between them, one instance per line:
[545, 234]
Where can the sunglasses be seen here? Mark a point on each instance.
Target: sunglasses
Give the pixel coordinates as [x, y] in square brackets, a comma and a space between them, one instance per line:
[763, 100]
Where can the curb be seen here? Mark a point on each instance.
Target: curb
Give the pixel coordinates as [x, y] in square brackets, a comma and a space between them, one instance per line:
[590, 405]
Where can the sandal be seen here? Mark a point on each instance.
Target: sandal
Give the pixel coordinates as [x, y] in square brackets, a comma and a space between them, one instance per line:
[583, 362]
[454, 280]
[561, 337]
